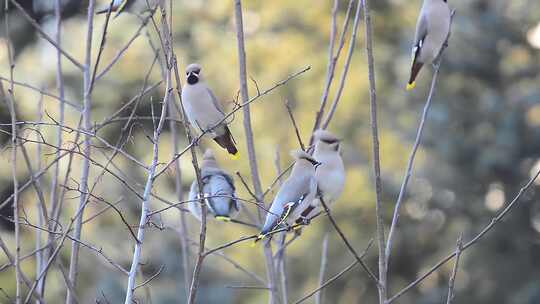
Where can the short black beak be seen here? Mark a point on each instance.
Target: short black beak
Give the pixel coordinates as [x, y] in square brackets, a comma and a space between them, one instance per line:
[317, 164]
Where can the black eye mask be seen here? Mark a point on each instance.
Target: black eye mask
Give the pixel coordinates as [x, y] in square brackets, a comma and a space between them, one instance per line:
[329, 141]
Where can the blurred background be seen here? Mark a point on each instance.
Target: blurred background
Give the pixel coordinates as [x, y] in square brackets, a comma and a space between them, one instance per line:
[481, 144]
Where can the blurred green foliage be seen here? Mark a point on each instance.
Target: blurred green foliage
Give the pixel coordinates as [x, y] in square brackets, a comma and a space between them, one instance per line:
[480, 145]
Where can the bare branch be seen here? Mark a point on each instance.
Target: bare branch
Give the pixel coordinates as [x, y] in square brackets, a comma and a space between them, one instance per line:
[410, 161]
[335, 277]
[322, 268]
[452, 280]
[346, 241]
[295, 126]
[87, 105]
[44, 35]
[375, 154]
[477, 238]
[352, 44]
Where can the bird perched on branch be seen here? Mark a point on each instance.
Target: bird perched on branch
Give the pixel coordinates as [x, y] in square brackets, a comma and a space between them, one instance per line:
[432, 30]
[218, 191]
[294, 195]
[330, 175]
[204, 111]
[119, 6]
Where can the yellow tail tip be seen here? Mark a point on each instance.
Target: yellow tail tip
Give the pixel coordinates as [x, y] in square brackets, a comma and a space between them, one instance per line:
[235, 156]
[259, 237]
[411, 86]
[223, 218]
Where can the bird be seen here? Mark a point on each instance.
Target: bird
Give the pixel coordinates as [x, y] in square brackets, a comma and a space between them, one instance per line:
[294, 195]
[204, 111]
[330, 175]
[218, 191]
[432, 30]
[119, 6]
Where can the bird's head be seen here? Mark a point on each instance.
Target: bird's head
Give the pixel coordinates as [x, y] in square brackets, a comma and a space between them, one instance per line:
[193, 73]
[326, 140]
[209, 160]
[302, 156]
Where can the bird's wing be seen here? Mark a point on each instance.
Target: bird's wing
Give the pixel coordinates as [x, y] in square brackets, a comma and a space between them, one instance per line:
[215, 102]
[123, 6]
[421, 29]
[221, 184]
[193, 203]
[421, 33]
[291, 195]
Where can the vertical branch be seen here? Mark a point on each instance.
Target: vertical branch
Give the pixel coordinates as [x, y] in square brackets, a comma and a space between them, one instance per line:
[345, 71]
[11, 106]
[172, 64]
[250, 144]
[179, 195]
[281, 268]
[332, 60]
[459, 248]
[175, 113]
[245, 97]
[40, 212]
[54, 201]
[8, 98]
[145, 207]
[375, 151]
[87, 103]
[322, 269]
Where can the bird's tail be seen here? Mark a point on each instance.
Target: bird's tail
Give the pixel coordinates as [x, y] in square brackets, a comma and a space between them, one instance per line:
[258, 238]
[415, 69]
[227, 141]
[223, 218]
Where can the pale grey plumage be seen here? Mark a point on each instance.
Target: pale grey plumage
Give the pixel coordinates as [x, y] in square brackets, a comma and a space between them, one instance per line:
[432, 30]
[330, 175]
[218, 188]
[204, 111]
[294, 195]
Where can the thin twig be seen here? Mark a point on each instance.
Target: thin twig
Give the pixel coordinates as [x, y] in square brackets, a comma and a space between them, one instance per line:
[43, 92]
[459, 247]
[335, 277]
[322, 268]
[10, 102]
[271, 277]
[417, 141]
[477, 238]
[54, 200]
[346, 241]
[344, 72]
[332, 60]
[145, 207]
[295, 126]
[155, 275]
[44, 35]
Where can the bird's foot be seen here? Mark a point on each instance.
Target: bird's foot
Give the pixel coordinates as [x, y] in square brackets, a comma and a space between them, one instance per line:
[304, 220]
